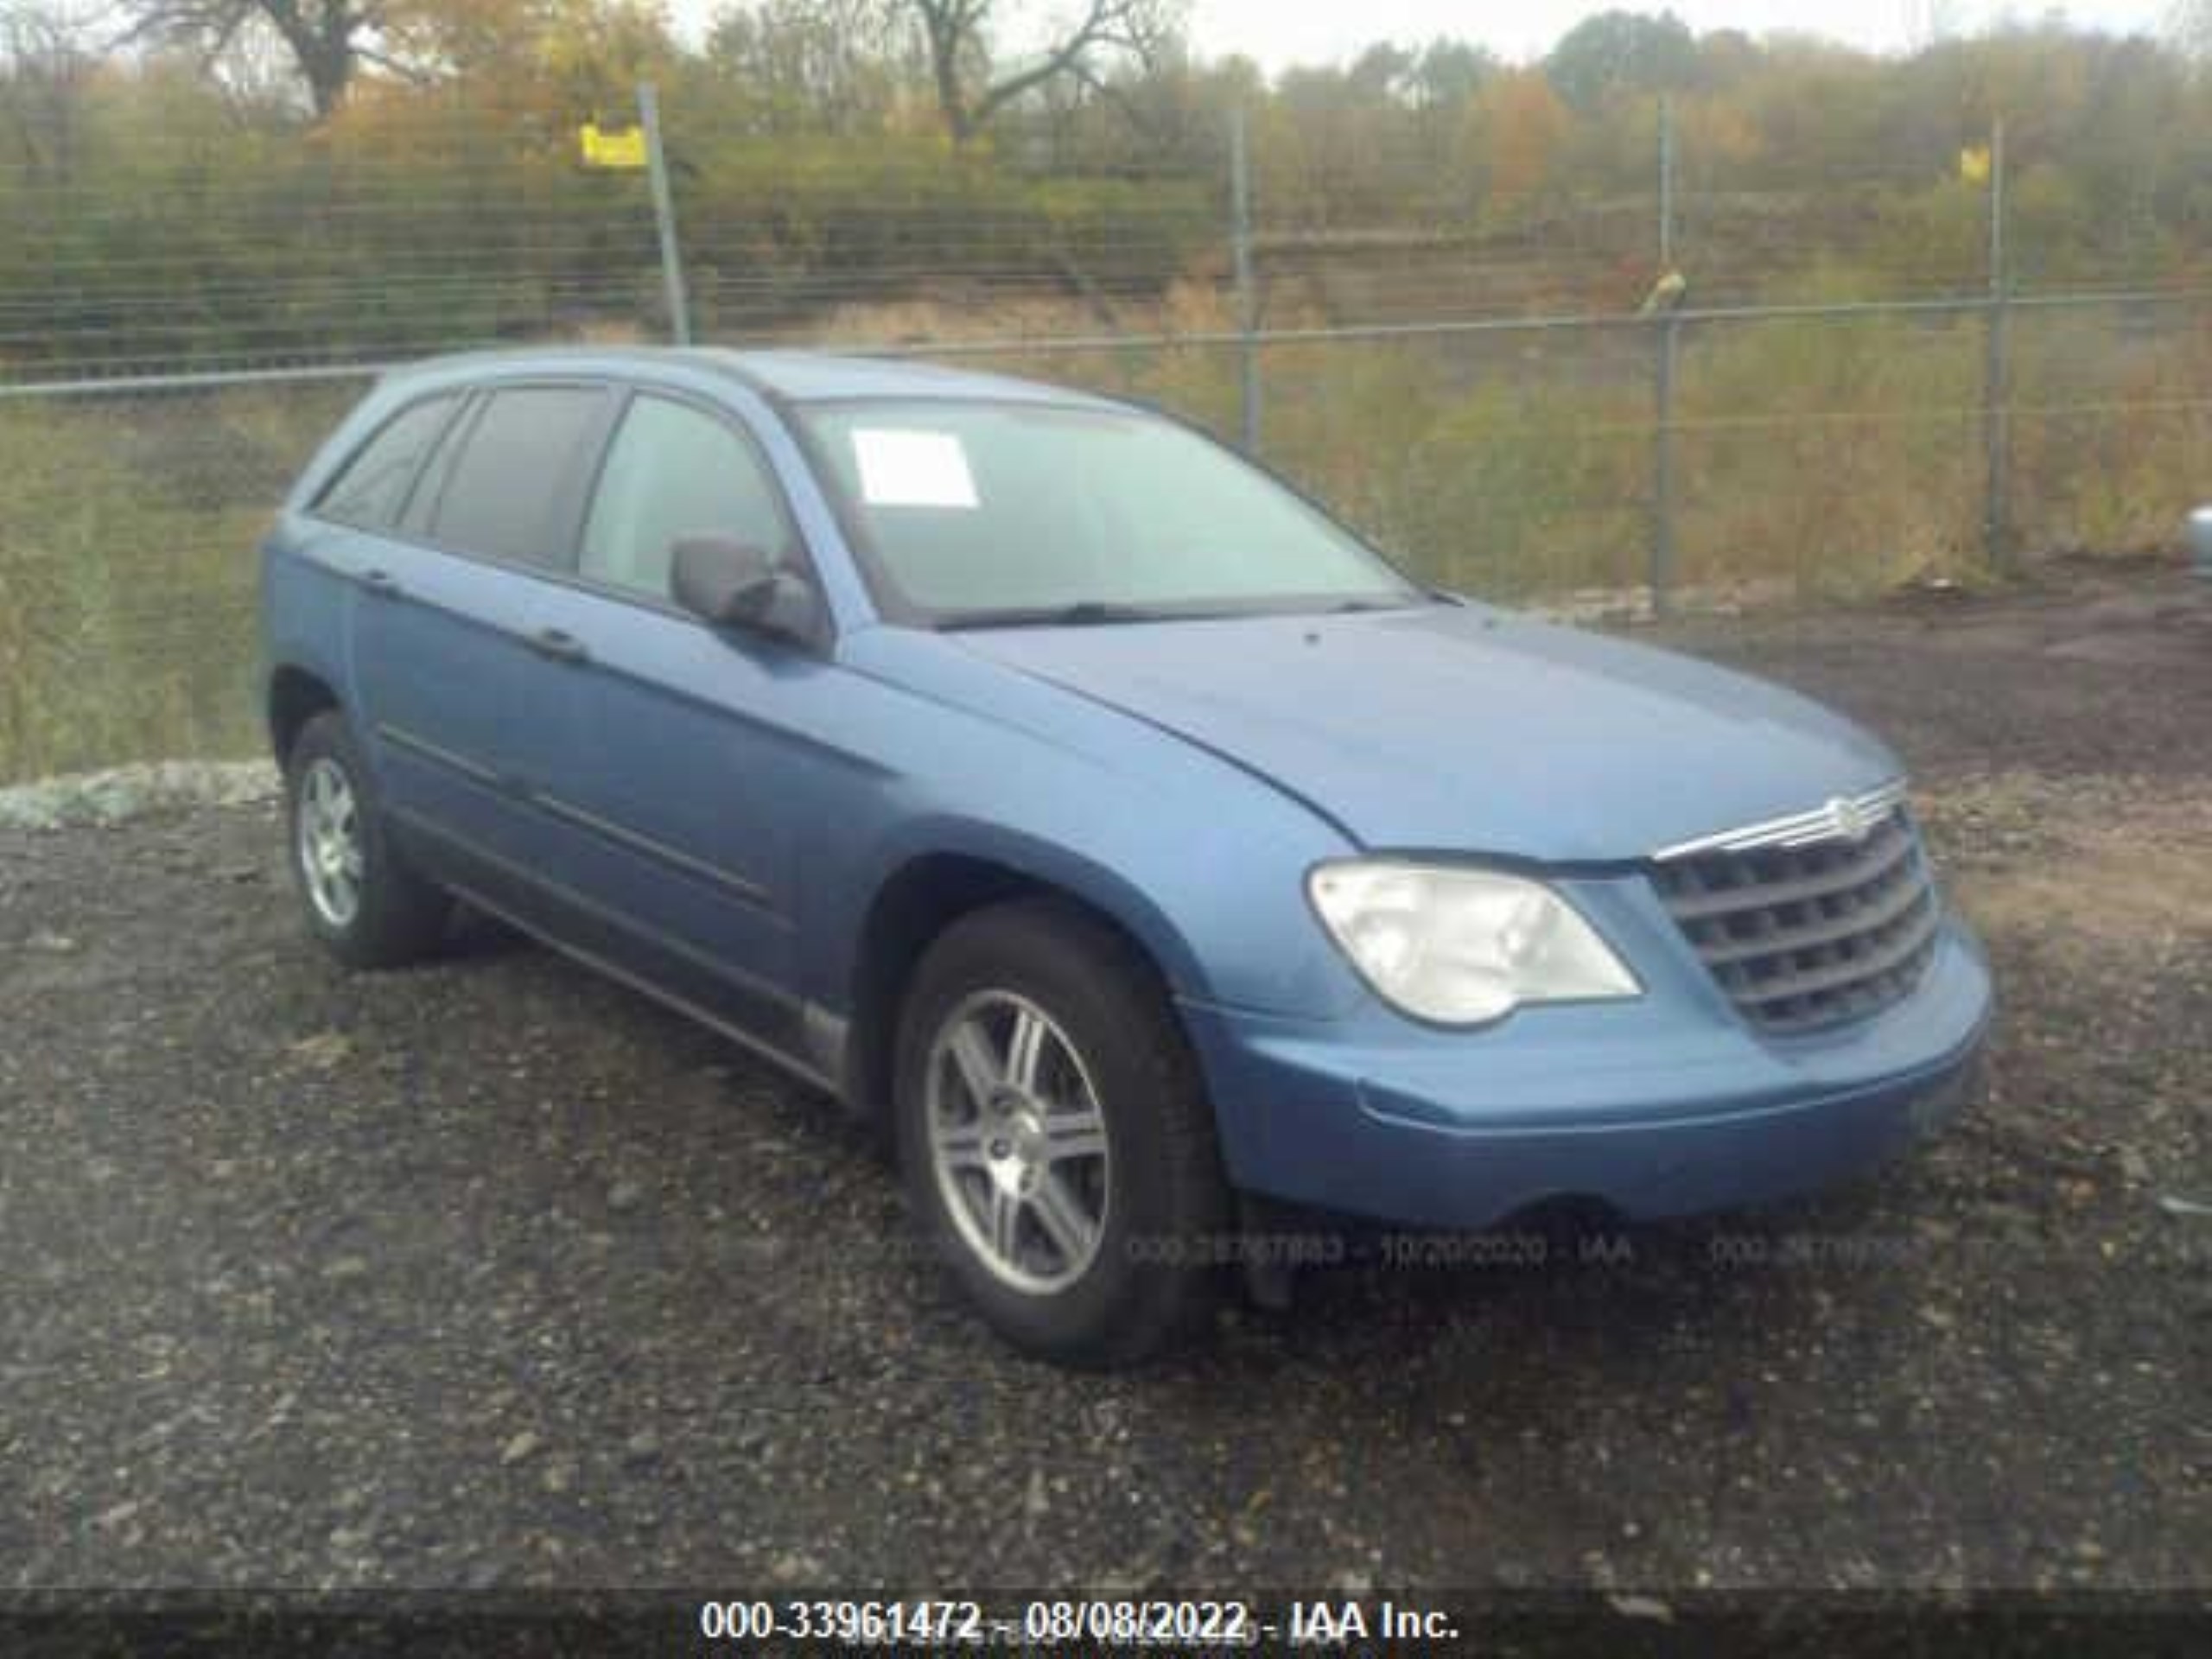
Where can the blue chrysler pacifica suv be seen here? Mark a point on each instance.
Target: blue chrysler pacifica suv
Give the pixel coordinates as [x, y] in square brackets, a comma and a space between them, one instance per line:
[1031, 771]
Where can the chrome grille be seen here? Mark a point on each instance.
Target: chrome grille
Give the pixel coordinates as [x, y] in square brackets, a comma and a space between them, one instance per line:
[1813, 934]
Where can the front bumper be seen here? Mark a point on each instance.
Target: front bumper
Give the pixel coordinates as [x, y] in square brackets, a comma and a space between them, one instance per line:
[1667, 1106]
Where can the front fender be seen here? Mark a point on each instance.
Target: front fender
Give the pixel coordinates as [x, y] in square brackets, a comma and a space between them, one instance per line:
[1225, 922]
[1054, 865]
[1200, 862]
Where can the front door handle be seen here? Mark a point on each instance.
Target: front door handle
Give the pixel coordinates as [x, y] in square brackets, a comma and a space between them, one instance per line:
[560, 645]
[382, 584]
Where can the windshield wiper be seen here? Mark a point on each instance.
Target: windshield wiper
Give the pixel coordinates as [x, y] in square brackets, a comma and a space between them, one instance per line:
[1088, 613]
[1103, 613]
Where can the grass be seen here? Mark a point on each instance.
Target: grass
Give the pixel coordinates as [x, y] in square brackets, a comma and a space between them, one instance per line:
[1813, 460]
[128, 528]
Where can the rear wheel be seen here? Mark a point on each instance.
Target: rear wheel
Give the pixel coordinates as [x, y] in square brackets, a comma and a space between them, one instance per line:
[362, 898]
[1057, 1144]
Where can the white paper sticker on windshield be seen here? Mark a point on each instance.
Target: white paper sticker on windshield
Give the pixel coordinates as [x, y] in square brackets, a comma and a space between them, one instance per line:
[913, 469]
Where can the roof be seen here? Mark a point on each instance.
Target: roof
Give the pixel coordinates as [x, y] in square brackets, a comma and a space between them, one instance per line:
[799, 375]
[802, 375]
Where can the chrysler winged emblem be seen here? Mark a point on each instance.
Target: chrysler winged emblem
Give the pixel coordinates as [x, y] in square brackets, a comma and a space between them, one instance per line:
[1841, 817]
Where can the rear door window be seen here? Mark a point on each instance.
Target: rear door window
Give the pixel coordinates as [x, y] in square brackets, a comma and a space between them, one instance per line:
[509, 492]
[368, 494]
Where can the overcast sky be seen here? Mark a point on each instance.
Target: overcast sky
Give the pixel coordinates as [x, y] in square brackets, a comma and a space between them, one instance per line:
[1279, 33]
[1325, 31]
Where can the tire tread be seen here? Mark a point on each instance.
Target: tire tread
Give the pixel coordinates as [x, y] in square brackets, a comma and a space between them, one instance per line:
[403, 915]
[1157, 1307]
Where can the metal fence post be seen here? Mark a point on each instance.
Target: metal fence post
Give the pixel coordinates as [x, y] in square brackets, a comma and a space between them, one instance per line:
[1248, 307]
[1663, 467]
[1997, 435]
[1668, 348]
[671, 259]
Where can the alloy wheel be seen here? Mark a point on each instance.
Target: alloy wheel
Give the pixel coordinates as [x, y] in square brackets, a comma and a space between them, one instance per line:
[1018, 1142]
[328, 841]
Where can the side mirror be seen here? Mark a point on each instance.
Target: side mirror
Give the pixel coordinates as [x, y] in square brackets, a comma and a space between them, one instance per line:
[2200, 540]
[734, 584]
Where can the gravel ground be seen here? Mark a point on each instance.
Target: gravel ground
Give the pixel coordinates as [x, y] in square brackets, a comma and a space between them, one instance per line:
[491, 1272]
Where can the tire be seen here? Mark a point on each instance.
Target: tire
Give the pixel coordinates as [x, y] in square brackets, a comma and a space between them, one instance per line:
[395, 915]
[1100, 1030]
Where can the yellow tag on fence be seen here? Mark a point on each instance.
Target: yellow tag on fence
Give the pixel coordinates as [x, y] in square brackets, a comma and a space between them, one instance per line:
[1973, 164]
[620, 146]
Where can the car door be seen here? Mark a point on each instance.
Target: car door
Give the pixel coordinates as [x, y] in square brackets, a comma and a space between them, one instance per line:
[692, 758]
[459, 675]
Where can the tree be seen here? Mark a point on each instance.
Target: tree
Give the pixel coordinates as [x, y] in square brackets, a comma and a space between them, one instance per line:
[1520, 124]
[590, 54]
[957, 32]
[570, 50]
[815, 66]
[1621, 51]
[1449, 73]
[328, 40]
[44, 72]
[1381, 73]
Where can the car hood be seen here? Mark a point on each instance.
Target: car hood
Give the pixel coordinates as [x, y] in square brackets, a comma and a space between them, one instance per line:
[1462, 729]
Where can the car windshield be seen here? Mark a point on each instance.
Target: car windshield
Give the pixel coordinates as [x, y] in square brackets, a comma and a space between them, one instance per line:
[978, 513]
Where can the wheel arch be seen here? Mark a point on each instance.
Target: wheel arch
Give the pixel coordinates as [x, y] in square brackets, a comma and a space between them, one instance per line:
[295, 696]
[929, 891]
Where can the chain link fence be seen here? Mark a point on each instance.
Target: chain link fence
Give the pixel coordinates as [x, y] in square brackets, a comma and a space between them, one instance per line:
[1612, 405]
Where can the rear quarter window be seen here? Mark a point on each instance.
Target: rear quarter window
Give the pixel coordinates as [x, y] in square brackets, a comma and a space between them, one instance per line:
[370, 489]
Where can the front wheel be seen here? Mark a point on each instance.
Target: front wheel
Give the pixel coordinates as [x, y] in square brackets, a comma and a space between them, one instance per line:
[1057, 1143]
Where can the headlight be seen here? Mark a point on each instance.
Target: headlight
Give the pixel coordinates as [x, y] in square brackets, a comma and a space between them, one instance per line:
[1461, 947]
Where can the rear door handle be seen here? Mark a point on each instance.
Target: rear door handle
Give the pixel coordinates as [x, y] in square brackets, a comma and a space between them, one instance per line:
[382, 584]
[560, 645]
